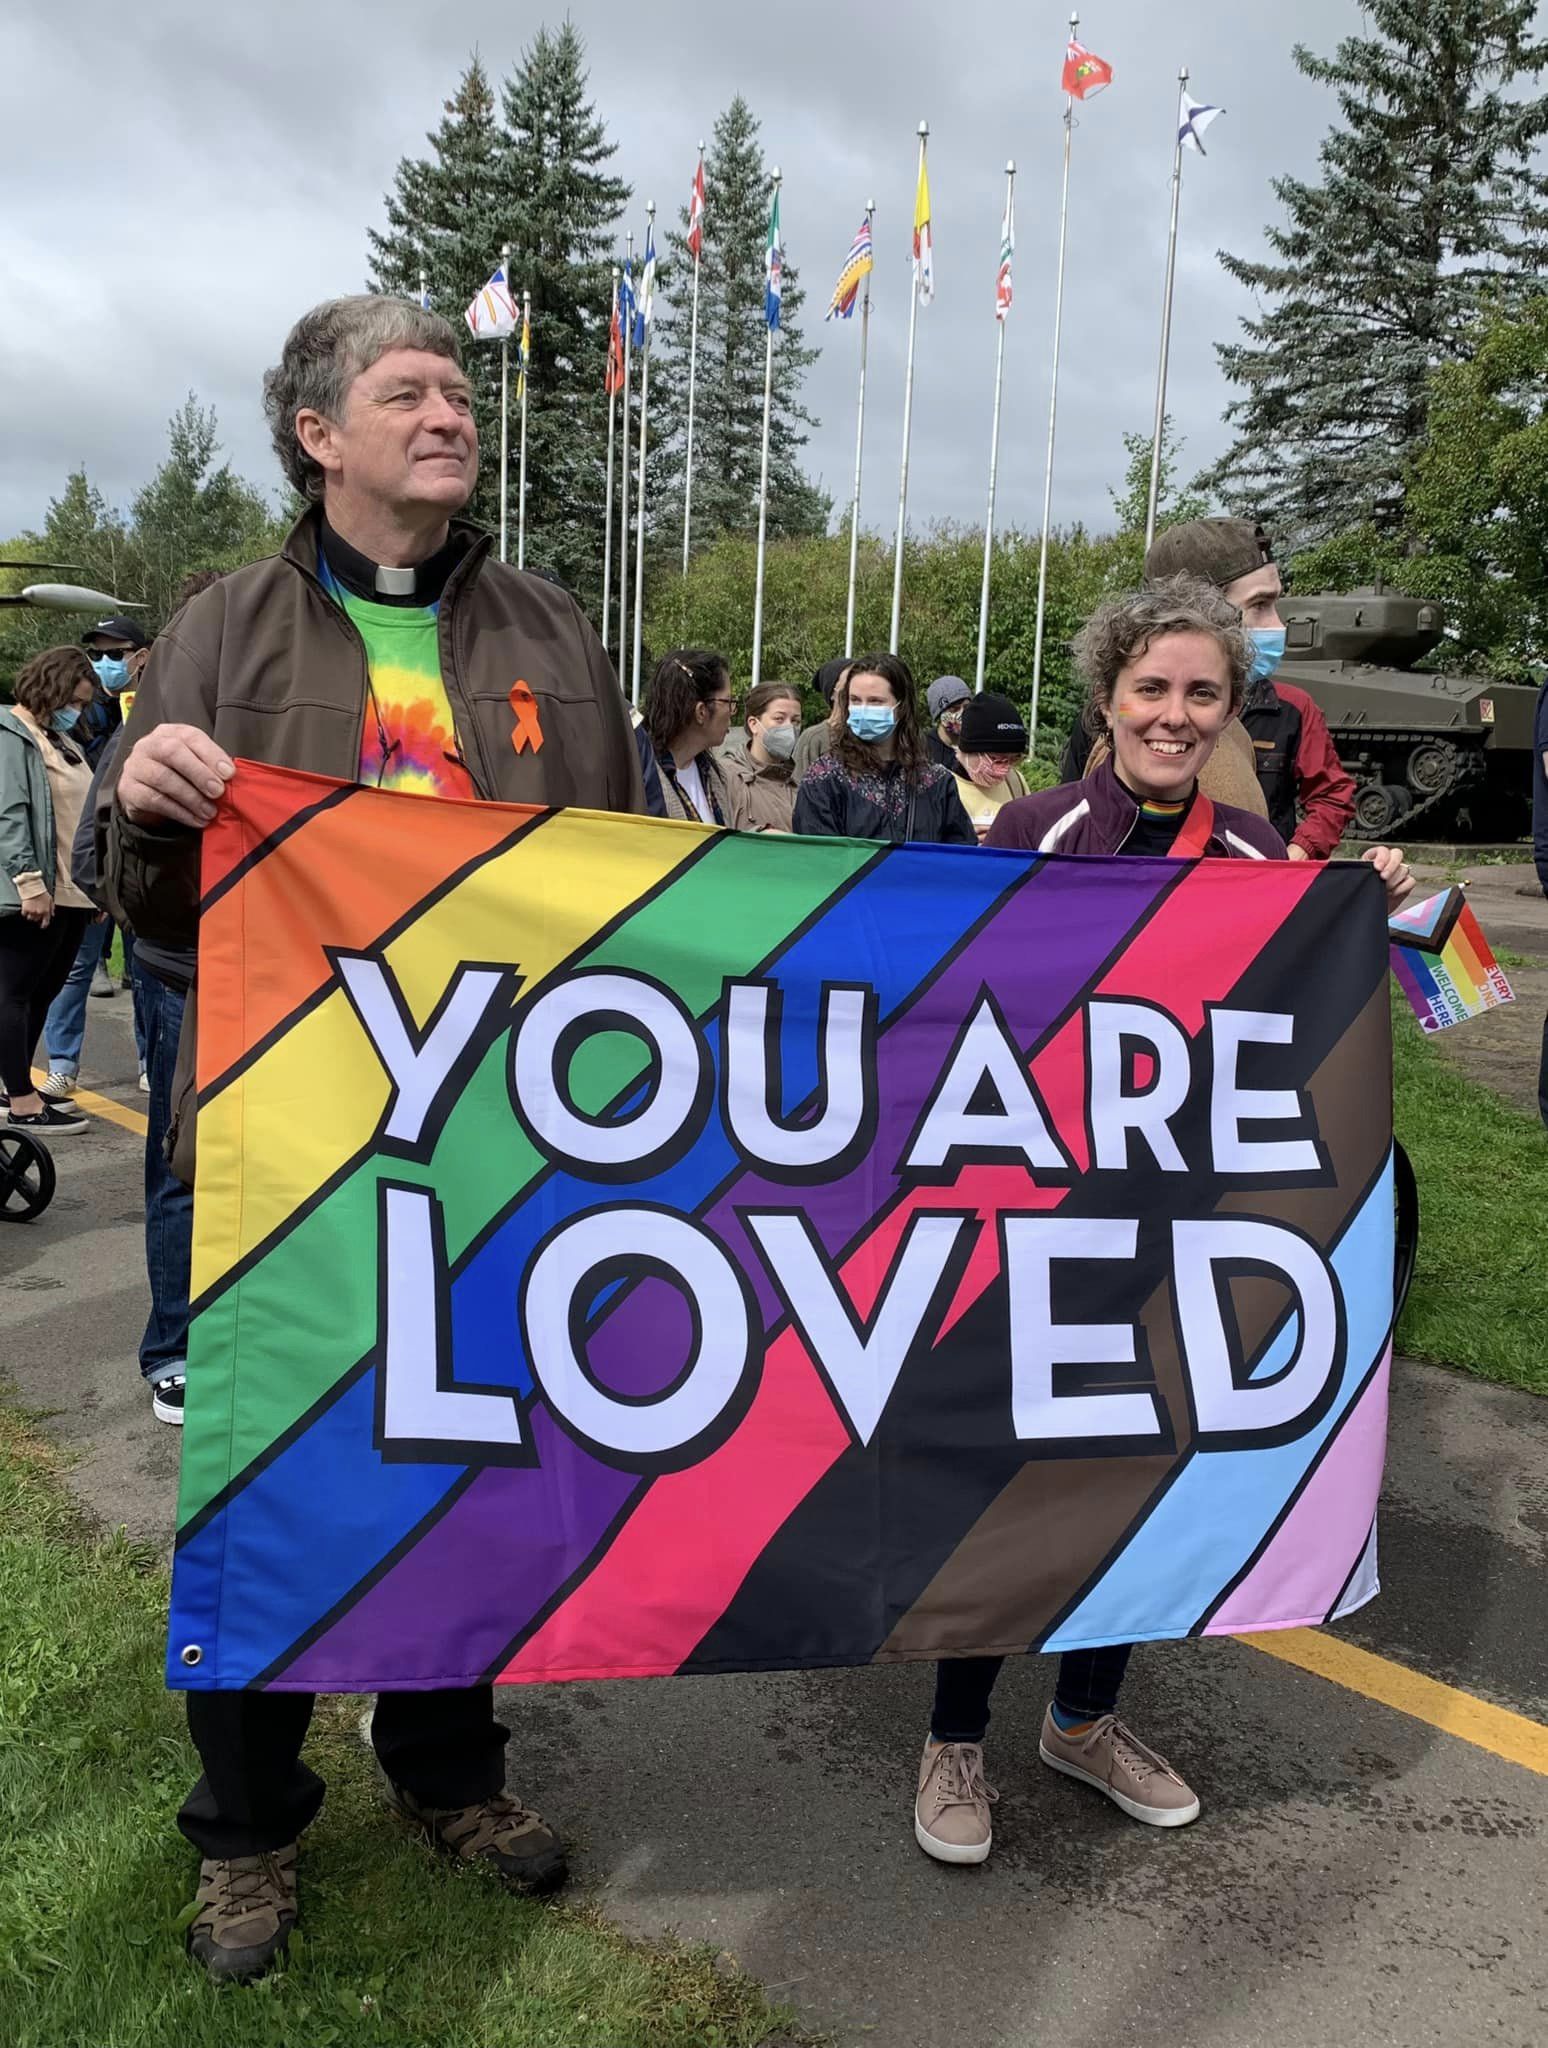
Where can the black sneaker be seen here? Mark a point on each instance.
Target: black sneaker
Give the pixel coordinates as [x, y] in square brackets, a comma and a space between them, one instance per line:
[48, 1122]
[167, 1399]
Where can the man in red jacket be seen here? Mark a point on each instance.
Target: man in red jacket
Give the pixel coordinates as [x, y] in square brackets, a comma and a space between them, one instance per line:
[1310, 795]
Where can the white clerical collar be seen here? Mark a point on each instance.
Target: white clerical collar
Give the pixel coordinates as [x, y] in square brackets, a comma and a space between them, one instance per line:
[396, 582]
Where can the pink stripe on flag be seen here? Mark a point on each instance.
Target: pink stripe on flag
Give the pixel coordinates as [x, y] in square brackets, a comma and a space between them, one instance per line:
[1240, 923]
[1331, 1519]
[674, 1569]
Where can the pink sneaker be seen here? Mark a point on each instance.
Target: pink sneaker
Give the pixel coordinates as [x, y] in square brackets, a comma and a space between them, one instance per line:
[1113, 1759]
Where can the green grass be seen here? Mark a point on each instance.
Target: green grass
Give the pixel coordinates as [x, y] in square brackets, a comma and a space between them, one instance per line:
[1480, 1295]
[397, 1950]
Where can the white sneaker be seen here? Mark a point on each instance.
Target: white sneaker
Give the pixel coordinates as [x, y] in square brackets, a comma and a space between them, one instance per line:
[59, 1086]
[144, 1082]
[167, 1399]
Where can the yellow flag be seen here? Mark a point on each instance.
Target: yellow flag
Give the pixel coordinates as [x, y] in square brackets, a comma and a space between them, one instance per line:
[924, 259]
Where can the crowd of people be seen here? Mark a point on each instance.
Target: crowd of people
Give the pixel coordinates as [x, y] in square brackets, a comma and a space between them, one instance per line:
[384, 645]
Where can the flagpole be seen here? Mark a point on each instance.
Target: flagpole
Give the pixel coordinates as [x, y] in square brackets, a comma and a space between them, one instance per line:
[607, 516]
[994, 461]
[908, 418]
[521, 488]
[505, 401]
[639, 494]
[854, 510]
[763, 478]
[1166, 325]
[1053, 410]
[424, 287]
[693, 365]
[623, 473]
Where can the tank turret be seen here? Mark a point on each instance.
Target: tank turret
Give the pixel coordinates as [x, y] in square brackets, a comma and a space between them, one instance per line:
[1376, 626]
[1420, 743]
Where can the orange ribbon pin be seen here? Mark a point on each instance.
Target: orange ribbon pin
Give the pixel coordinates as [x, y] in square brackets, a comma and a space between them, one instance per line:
[528, 729]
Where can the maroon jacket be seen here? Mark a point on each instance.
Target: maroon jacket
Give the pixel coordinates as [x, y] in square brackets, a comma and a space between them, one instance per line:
[1298, 768]
[1098, 814]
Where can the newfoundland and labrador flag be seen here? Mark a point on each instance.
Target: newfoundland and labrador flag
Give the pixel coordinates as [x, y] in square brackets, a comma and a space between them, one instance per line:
[626, 1248]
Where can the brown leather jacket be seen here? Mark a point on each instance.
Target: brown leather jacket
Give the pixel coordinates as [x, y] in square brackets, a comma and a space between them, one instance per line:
[269, 665]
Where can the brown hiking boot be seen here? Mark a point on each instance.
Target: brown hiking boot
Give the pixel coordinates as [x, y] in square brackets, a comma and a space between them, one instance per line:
[518, 1842]
[1111, 1757]
[247, 1907]
[951, 1811]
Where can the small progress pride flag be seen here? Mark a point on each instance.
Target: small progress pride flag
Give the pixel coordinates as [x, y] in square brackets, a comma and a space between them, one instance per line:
[1445, 965]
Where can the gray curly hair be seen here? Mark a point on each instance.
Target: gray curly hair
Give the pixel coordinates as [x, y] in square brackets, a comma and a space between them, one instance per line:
[325, 352]
[1123, 627]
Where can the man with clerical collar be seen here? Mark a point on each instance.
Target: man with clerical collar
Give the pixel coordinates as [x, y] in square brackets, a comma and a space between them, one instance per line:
[381, 645]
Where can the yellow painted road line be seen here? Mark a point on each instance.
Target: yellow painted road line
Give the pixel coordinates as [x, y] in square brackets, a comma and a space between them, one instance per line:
[110, 1112]
[1496, 1729]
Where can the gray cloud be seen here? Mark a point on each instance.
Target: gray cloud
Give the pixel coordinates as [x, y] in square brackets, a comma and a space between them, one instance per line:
[179, 182]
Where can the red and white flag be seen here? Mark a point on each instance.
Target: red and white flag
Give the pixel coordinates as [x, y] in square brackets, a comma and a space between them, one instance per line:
[696, 214]
[1084, 71]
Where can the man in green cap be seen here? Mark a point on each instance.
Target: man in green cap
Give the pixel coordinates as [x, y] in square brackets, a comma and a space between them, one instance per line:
[1309, 794]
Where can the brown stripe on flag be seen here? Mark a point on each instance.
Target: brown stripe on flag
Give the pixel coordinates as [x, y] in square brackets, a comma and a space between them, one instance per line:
[1048, 1534]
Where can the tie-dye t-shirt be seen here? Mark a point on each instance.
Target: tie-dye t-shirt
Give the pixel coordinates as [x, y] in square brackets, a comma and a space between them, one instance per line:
[411, 743]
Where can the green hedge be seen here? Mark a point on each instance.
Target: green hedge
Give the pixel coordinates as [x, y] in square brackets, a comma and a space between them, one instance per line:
[806, 583]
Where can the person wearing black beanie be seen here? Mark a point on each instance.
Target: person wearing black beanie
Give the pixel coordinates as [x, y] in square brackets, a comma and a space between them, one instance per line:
[992, 741]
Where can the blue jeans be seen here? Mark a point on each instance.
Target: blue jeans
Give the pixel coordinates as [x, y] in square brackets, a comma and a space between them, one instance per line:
[64, 1028]
[1086, 1688]
[168, 1204]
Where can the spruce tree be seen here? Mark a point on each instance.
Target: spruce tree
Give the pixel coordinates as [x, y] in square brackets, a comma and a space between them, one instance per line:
[728, 399]
[195, 513]
[448, 214]
[1431, 204]
[564, 206]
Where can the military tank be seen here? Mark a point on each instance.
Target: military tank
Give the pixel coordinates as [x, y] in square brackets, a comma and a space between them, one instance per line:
[1427, 750]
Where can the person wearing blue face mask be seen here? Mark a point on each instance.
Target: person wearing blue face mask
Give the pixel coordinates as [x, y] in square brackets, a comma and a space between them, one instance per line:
[116, 649]
[1309, 792]
[878, 781]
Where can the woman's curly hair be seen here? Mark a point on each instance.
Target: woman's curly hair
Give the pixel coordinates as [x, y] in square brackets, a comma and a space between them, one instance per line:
[1123, 627]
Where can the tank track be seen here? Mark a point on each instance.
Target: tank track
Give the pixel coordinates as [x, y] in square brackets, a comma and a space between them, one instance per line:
[1389, 741]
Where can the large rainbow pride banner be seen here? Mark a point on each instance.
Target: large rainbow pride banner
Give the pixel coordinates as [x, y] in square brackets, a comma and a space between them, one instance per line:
[623, 1248]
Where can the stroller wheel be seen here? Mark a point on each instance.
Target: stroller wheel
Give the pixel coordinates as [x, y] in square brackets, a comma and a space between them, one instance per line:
[26, 1177]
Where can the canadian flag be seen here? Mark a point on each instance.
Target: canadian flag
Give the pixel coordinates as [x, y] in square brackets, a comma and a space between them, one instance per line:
[696, 214]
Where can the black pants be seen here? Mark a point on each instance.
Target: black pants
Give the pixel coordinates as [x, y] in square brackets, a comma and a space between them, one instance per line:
[35, 962]
[445, 1748]
[1086, 1688]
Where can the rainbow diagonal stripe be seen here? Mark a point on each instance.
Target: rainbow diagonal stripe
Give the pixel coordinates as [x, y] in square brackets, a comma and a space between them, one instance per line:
[317, 1552]
[1444, 964]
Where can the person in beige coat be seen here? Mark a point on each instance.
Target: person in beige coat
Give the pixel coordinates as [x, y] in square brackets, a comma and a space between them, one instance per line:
[759, 764]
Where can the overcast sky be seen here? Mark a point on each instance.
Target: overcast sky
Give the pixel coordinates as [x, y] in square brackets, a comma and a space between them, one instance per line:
[178, 181]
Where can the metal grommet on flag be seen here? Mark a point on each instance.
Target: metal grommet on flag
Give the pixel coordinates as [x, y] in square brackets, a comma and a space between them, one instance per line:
[191, 1655]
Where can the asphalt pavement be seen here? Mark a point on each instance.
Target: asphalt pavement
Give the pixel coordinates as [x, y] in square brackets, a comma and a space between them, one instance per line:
[1357, 1876]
